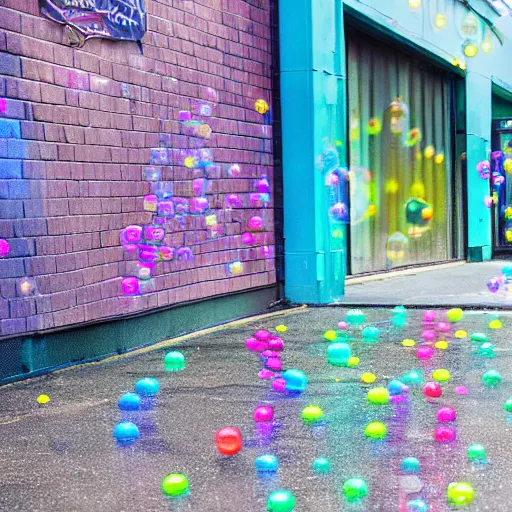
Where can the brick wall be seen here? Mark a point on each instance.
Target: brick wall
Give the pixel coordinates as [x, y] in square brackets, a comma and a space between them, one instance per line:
[76, 130]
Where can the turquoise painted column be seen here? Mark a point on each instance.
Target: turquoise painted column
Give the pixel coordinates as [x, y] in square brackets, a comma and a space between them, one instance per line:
[479, 109]
[313, 116]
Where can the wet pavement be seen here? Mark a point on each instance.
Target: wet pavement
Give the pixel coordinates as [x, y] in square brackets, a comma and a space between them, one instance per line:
[61, 456]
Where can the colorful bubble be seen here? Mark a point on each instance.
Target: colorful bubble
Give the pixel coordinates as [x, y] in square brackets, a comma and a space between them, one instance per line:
[321, 465]
[444, 435]
[42, 399]
[312, 414]
[281, 501]
[175, 485]
[432, 390]
[460, 493]
[174, 361]
[228, 441]
[376, 430]
[368, 378]
[441, 375]
[378, 396]
[491, 378]
[355, 489]
[446, 415]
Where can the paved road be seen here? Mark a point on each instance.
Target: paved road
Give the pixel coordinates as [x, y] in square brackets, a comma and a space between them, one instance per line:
[61, 456]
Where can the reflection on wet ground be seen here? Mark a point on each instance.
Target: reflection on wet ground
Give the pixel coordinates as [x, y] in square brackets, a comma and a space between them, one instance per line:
[61, 456]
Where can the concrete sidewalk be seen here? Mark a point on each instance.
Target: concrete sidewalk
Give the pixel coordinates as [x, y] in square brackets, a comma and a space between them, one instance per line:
[457, 284]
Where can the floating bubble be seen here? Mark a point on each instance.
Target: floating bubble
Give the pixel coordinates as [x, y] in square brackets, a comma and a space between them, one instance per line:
[42, 399]
[455, 315]
[460, 493]
[338, 354]
[376, 430]
[425, 353]
[174, 361]
[312, 414]
[355, 489]
[370, 333]
[4, 248]
[368, 378]
[410, 465]
[446, 415]
[432, 390]
[444, 435]
[378, 396]
[476, 453]
[266, 464]
[417, 505]
[281, 328]
[129, 402]
[281, 501]
[147, 387]
[408, 343]
[491, 378]
[261, 106]
[228, 441]
[296, 381]
[330, 335]
[175, 485]
[126, 432]
[355, 317]
[321, 465]
[263, 413]
[27, 287]
[441, 375]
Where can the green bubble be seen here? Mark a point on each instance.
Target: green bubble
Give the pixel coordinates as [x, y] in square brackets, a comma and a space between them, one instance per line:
[508, 405]
[376, 430]
[491, 378]
[476, 453]
[414, 377]
[355, 489]
[175, 485]
[174, 361]
[399, 318]
[479, 336]
[281, 501]
[321, 465]
[460, 493]
[312, 414]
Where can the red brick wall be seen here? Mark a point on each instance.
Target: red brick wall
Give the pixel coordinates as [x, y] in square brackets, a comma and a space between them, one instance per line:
[71, 179]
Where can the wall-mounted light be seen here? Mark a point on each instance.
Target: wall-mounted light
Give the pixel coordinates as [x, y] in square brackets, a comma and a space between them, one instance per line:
[470, 48]
[440, 20]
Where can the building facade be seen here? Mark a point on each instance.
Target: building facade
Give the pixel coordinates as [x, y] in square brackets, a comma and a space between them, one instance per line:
[407, 100]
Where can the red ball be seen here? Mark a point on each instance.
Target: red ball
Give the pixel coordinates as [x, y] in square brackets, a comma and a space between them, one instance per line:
[445, 435]
[228, 440]
[432, 390]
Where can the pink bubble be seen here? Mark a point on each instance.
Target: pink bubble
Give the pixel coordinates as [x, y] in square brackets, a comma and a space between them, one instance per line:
[343, 326]
[488, 201]
[432, 390]
[396, 399]
[446, 415]
[131, 235]
[429, 315]
[428, 334]
[265, 374]
[247, 238]
[425, 353]
[443, 326]
[445, 435]
[274, 363]
[4, 248]
[263, 413]
[255, 345]
[262, 335]
[461, 390]
[255, 223]
[267, 353]
[279, 385]
[276, 343]
[130, 286]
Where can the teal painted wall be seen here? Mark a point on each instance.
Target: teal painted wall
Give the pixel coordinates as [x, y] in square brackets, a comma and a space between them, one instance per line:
[312, 47]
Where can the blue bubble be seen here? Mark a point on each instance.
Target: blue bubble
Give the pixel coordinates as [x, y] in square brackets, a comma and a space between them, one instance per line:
[147, 387]
[321, 465]
[395, 387]
[417, 505]
[410, 465]
[126, 432]
[129, 402]
[266, 463]
[296, 381]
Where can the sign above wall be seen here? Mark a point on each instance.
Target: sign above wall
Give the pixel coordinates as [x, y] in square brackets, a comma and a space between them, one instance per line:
[111, 19]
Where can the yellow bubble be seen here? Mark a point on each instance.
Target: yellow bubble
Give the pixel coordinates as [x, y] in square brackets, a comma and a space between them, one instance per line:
[460, 334]
[408, 343]
[353, 362]
[440, 20]
[391, 186]
[441, 345]
[261, 106]
[439, 158]
[43, 399]
[281, 328]
[441, 375]
[337, 380]
[190, 162]
[429, 152]
[330, 335]
[495, 324]
[368, 378]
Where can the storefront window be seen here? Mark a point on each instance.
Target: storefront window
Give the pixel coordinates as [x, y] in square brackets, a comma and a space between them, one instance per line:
[401, 181]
